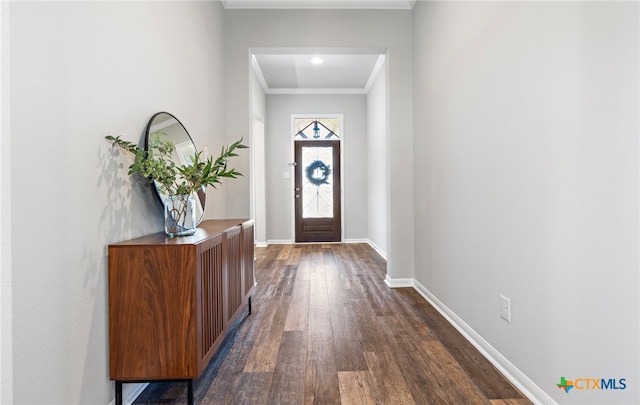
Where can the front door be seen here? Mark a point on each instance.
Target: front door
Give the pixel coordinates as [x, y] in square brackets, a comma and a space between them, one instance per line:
[317, 191]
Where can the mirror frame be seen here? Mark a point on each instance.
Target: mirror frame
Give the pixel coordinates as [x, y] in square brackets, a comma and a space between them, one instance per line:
[200, 196]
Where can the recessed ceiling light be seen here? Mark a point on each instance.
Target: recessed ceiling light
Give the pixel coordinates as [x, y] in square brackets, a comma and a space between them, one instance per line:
[316, 60]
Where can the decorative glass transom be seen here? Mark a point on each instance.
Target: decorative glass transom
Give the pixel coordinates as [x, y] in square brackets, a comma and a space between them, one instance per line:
[316, 128]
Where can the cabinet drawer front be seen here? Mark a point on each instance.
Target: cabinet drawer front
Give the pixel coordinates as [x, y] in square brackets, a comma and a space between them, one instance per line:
[211, 296]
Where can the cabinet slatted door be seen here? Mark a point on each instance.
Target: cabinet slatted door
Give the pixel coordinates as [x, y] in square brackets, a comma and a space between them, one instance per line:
[234, 271]
[248, 279]
[211, 291]
[152, 312]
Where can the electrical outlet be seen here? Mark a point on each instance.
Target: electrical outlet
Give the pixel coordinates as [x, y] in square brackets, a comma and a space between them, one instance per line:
[505, 308]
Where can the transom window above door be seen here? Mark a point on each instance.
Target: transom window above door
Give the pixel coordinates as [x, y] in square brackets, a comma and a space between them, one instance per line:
[316, 129]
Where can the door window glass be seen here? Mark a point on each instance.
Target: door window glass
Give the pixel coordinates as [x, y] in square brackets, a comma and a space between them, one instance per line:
[317, 184]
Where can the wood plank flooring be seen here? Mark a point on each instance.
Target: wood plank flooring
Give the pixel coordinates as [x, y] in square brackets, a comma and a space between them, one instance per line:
[326, 329]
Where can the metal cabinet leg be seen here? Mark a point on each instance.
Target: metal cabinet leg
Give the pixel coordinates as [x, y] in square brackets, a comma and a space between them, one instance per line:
[118, 392]
[190, 392]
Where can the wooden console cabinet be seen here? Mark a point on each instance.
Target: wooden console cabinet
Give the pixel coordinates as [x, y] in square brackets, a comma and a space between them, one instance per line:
[172, 300]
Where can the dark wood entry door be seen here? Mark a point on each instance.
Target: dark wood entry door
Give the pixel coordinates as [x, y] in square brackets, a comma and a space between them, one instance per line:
[317, 191]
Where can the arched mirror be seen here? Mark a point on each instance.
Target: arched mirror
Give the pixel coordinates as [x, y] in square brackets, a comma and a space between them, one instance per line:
[185, 149]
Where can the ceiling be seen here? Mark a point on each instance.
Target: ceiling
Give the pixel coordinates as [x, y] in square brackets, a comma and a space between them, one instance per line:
[294, 73]
[286, 71]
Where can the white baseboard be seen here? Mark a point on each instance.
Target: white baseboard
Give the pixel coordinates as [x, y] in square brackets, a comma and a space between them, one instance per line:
[511, 372]
[381, 252]
[130, 392]
[399, 282]
[279, 242]
[261, 244]
[356, 241]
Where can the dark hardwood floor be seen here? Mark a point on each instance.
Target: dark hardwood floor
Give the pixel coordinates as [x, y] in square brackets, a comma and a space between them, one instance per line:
[326, 329]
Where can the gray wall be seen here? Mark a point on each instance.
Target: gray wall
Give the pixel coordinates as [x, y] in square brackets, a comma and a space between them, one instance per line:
[278, 149]
[258, 197]
[377, 164]
[387, 30]
[526, 145]
[74, 72]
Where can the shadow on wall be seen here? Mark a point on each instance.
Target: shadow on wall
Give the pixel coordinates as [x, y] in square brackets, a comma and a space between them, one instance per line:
[131, 210]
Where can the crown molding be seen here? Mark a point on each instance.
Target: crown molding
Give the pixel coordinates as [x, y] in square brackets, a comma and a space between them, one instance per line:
[319, 4]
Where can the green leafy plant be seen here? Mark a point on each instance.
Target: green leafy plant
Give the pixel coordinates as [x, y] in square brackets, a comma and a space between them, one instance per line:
[156, 164]
[177, 182]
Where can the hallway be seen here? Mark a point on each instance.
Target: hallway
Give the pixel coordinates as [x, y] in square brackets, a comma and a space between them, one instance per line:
[326, 329]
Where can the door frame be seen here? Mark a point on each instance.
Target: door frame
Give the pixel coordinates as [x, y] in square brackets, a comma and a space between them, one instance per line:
[292, 182]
